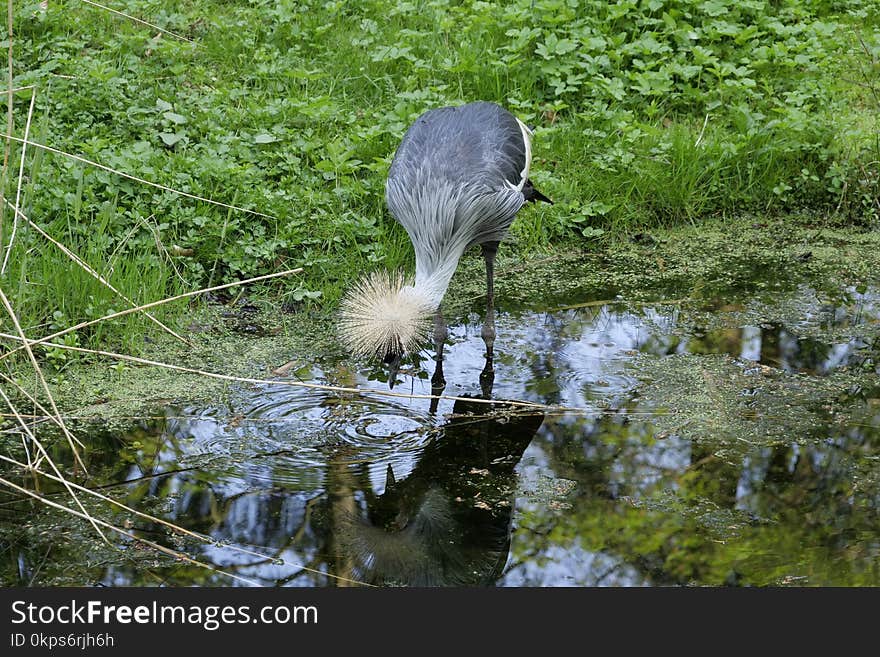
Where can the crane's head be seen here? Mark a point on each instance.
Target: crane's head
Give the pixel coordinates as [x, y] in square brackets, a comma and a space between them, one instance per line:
[382, 316]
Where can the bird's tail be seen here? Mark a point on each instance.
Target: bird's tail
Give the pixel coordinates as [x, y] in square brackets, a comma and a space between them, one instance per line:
[382, 315]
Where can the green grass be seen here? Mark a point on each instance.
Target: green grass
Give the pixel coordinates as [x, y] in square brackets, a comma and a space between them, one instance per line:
[647, 113]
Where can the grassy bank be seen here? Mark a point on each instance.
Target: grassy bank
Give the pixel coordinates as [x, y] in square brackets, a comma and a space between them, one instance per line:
[647, 114]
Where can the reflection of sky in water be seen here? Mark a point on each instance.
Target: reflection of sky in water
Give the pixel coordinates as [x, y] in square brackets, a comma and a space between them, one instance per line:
[579, 357]
[547, 358]
[572, 565]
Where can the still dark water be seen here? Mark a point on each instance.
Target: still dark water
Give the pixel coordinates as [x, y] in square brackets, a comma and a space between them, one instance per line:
[639, 485]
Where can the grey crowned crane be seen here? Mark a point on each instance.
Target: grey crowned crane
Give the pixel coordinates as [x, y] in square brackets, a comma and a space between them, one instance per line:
[458, 178]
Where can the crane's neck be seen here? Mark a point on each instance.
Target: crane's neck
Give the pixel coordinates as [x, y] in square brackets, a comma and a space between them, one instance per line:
[435, 270]
[431, 212]
[442, 219]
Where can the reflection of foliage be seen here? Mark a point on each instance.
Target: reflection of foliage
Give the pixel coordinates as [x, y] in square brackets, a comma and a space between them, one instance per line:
[791, 514]
[445, 522]
[743, 473]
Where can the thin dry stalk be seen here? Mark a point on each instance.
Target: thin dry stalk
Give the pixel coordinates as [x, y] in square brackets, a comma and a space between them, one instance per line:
[15, 210]
[152, 304]
[37, 405]
[121, 244]
[10, 122]
[71, 439]
[618, 302]
[169, 260]
[67, 485]
[27, 431]
[138, 20]
[297, 384]
[869, 83]
[702, 131]
[17, 89]
[43, 454]
[89, 270]
[142, 181]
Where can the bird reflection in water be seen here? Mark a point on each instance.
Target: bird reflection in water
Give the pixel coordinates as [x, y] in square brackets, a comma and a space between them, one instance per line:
[448, 522]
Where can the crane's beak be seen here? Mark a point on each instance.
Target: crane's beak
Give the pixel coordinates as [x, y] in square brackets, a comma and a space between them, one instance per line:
[393, 362]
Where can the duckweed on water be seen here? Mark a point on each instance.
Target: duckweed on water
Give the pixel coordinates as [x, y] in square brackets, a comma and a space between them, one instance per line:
[739, 406]
[744, 256]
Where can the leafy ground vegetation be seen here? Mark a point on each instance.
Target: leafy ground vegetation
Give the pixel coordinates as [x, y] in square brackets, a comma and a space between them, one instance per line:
[647, 113]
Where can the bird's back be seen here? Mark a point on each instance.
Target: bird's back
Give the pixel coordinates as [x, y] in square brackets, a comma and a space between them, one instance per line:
[457, 179]
[478, 144]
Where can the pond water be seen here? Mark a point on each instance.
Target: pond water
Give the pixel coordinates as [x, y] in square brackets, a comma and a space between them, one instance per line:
[723, 444]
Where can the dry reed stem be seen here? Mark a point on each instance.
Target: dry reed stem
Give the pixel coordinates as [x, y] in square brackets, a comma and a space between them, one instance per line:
[17, 89]
[24, 425]
[71, 439]
[56, 419]
[37, 404]
[149, 222]
[10, 122]
[34, 419]
[45, 455]
[67, 485]
[152, 304]
[551, 411]
[155, 546]
[299, 384]
[618, 302]
[176, 528]
[138, 20]
[15, 210]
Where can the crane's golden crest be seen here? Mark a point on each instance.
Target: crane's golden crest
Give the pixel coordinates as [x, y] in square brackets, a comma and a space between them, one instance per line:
[381, 314]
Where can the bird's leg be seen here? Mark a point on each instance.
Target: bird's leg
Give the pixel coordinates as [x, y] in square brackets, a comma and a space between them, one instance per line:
[487, 379]
[438, 382]
[488, 332]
